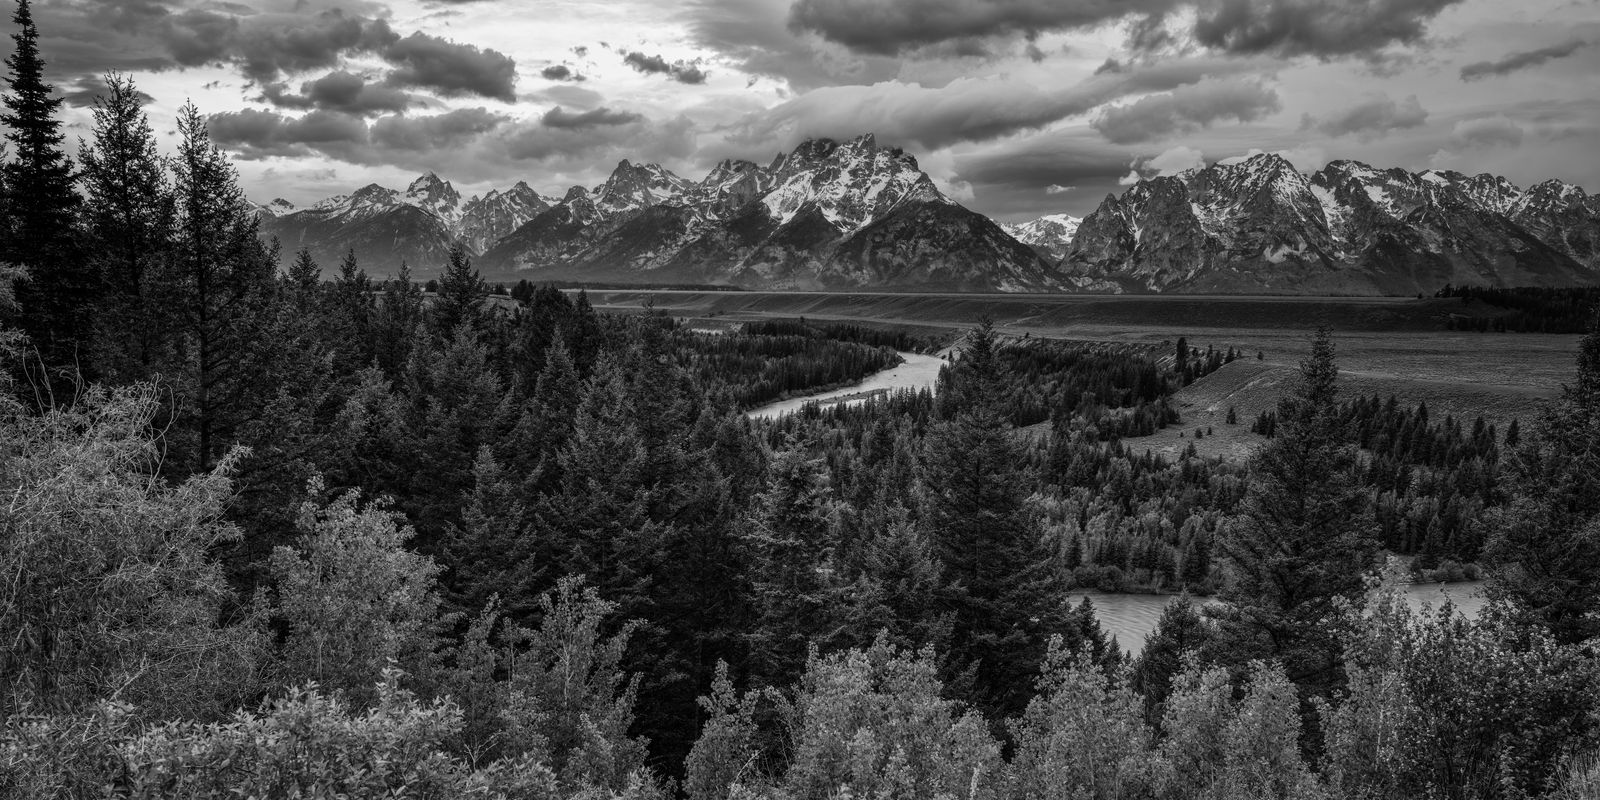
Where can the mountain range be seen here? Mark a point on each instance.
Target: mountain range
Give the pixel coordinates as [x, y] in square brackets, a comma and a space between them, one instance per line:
[857, 215]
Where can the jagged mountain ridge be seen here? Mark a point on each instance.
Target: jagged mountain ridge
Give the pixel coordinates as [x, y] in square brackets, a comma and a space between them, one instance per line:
[843, 215]
[827, 215]
[386, 227]
[1259, 225]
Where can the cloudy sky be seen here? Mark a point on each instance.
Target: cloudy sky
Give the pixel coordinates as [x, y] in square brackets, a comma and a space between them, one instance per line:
[1017, 108]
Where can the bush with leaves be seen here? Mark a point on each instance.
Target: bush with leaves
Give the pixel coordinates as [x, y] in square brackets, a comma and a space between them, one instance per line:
[313, 744]
[566, 697]
[107, 587]
[1084, 736]
[1224, 749]
[352, 598]
[873, 723]
[1441, 706]
[724, 758]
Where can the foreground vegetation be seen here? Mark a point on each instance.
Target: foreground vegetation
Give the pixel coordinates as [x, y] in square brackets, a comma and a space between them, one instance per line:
[267, 535]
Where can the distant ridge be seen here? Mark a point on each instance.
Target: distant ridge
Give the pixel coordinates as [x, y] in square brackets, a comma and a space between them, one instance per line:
[1259, 225]
[858, 215]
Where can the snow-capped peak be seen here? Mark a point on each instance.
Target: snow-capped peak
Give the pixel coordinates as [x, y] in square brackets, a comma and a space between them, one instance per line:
[435, 196]
[850, 183]
[278, 207]
[1051, 234]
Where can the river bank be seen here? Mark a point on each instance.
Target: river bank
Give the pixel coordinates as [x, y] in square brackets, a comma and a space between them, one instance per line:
[916, 371]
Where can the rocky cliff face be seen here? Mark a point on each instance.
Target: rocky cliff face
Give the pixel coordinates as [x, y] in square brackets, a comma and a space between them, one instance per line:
[1258, 225]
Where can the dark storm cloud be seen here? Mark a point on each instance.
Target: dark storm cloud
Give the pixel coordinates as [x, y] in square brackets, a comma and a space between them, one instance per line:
[269, 45]
[471, 143]
[1187, 108]
[91, 36]
[1516, 61]
[755, 36]
[597, 118]
[1374, 117]
[428, 62]
[891, 27]
[341, 91]
[964, 110]
[256, 133]
[1322, 28]
[82, 92]
[264, 40]
[395, 139]
[559, 72]
[429, 134]
[1011, 178]
[656, 65]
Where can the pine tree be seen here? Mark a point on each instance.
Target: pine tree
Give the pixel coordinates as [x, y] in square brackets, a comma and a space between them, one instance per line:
[215, 294]
[1181, 632]
[791, 539]
[304, 283]
[395, 322]
[1546, 541]
[1305, 537]
[128, 219]
[973, 484]
[351, 307]
[61, 289]
[461, 294]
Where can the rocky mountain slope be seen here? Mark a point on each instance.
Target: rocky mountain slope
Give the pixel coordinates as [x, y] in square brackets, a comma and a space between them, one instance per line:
[848, 215]
[385, 227]
[829, 215]
[1259, 225]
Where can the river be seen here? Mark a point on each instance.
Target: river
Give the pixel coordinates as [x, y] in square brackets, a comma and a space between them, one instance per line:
[1131, 617]
[916, 372]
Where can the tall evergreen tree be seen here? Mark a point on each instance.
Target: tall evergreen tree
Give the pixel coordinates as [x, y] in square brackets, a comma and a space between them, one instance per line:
[351, 307]
[215, 292]
[399, 311]
[791, 538]
[973, 485]
[461, 293]
[128, 227]
[304, 283]
[1546, 541]
[1305, 537]
[61, 288]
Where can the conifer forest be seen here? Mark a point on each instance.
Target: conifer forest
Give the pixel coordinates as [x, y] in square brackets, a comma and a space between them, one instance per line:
[270, 534]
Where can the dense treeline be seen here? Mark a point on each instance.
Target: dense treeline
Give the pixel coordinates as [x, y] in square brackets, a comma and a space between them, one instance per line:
[1532, 309]
[524, 288]
[1430, 482]
[840, 331]
[272, 535]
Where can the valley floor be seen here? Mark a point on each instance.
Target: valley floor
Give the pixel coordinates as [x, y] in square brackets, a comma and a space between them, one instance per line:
[1387, 345]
